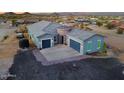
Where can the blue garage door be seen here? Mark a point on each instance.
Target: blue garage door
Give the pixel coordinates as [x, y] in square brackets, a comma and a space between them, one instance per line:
[75, 45]
[46, 43]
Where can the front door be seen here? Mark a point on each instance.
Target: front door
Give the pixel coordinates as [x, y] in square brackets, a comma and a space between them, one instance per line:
[61, 39]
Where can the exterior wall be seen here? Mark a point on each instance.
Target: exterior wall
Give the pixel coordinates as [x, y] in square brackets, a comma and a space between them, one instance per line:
[94, 45]
[35, 40]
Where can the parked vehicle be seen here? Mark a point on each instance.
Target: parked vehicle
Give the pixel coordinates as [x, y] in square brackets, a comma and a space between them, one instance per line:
[19, 35]
[23, 43]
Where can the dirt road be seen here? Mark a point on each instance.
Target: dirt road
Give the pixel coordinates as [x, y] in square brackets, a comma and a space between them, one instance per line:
[8, 49]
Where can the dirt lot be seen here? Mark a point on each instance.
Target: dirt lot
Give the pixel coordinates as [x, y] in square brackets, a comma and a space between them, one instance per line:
[113, 39]
[26, 67]
[8, 48]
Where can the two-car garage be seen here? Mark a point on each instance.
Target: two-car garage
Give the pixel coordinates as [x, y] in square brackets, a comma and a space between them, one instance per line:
[75, 45]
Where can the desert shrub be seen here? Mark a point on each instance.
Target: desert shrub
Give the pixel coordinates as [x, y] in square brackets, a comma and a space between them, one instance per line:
[120, 31]
[104, 48]
[82, 26]
[5, 37]
[99, 23]
[14, 22]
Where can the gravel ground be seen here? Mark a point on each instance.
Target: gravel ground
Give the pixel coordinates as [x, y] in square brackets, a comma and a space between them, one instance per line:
[26, 67]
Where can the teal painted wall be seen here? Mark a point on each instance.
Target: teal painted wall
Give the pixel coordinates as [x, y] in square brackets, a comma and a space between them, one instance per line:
[94, 44]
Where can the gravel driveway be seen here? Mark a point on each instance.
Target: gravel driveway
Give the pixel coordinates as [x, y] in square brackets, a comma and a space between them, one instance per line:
[26, 67]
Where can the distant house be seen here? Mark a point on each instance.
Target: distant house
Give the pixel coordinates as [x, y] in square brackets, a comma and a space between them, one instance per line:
[81, 20]
[19, 22]
[30, 21]
[26, 21]
[115, 22]
[47, 34]
[121, 26]
[2, 21]
[93, 20]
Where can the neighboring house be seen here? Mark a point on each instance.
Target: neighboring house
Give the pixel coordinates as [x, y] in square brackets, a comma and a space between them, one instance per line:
[2, 21]
[115, 22]
[25, 21]
[121, 26]
[93, 20]
[81, 20]
[47, 34]
[30, 21]
[19, 22]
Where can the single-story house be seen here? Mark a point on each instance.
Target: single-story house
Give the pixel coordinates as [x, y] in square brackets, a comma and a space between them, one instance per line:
[47, 34]
[81, 20]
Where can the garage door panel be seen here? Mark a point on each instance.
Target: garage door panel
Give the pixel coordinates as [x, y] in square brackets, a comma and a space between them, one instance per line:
[46, 43]
[75, 45]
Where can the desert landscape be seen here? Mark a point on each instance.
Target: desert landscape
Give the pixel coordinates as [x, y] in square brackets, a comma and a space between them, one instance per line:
[15, 61]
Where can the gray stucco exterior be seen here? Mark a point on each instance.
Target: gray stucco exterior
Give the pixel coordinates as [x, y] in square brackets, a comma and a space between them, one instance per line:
[86, 41]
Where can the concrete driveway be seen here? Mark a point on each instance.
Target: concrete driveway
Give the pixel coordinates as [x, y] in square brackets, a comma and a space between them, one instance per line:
[59, 52]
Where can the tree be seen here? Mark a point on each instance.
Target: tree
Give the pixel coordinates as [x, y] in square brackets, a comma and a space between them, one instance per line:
[23, 29]
[14, 22]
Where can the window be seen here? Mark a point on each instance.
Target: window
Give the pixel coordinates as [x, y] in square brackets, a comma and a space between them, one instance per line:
[55, 38]
[89, 45]
[98, 44]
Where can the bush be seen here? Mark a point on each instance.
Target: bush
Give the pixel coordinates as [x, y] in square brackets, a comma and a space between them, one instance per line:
[99, 23]
[105, 48]
[81, 26]
[120, 31]
[5, 37]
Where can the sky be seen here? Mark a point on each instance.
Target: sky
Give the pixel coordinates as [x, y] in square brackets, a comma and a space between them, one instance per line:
[61, 5]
